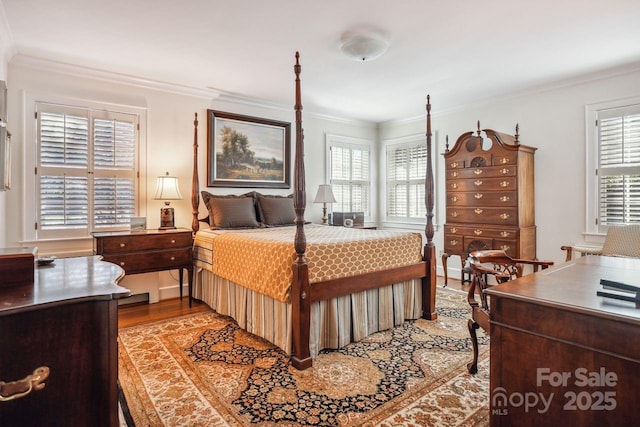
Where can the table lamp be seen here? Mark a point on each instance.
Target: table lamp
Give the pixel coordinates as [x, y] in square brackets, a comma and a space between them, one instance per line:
[324, 196]
[167, 189]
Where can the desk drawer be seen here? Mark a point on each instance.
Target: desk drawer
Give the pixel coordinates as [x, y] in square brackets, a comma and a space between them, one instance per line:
[131, 243]
[151, 261]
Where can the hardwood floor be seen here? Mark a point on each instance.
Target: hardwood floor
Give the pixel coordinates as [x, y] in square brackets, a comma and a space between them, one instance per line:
[129, 315]
[134, 314]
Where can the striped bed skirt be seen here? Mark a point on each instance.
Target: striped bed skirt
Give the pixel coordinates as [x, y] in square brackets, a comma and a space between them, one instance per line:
[334, 323]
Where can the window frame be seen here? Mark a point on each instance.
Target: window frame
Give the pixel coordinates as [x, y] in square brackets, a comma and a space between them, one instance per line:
[333, 140]
[31, 229]
[593, 226]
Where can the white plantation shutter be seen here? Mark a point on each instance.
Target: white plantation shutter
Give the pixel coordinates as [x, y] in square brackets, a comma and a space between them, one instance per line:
[349, 175]
[114, 157]
[86, 170]
[406, 171]
[619, 165]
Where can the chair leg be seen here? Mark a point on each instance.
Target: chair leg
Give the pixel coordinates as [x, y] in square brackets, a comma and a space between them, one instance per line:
[473, 326]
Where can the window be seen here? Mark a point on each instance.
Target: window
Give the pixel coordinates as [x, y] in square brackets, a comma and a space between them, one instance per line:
[406, 171]
[617, 177]
[86, 170]
[349, 174]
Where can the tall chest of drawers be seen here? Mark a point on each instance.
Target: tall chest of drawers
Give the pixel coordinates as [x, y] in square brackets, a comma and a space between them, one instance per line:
[489, 196]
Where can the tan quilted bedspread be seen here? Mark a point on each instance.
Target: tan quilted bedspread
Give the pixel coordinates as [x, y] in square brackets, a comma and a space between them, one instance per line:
[261, 259]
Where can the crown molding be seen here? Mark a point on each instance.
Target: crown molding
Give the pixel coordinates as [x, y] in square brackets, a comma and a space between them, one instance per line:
[111, 77]
[236, 98]
[531, 90]
[208, 93]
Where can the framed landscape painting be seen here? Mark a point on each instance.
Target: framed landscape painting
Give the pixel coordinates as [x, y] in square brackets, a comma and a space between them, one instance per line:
[245, 151]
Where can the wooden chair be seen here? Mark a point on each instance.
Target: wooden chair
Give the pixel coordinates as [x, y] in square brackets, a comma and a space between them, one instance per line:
[502, 267]
[621, 240]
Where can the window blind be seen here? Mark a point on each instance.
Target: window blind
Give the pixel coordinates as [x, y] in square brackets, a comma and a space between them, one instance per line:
[87, 170]
[619, 166]
[406, 171]
[350, 177]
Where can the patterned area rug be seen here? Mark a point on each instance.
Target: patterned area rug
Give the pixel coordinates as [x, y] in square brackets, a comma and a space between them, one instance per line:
[202, 370]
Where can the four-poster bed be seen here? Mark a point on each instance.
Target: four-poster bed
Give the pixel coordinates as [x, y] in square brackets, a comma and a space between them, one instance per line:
[312, 311]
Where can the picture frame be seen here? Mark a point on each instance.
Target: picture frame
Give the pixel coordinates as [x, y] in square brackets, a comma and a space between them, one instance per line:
[245, 151]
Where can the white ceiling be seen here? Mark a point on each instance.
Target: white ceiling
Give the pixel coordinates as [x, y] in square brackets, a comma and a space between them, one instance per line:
[459, 51]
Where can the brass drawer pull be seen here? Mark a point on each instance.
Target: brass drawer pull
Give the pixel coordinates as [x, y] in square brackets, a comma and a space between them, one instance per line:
[454, 230]
[505, 247]
[454, 174]
[173, 258]
[122, 245]
[505, 216]
[477, 232]
[455, 164]
[478, 182]
[454, 214]
[504, 184]
[454, 199]
[478, 211]
[504, 171]
[173, 241]
[454, 185]
[121, 263]
[478, 196]
[504, 161]
[504, 198]
[17, 389]
[505, 233]
[453, 242]
[477, 171]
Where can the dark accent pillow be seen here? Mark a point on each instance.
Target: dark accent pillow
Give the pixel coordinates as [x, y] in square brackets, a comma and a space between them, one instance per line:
[230, 211]
[276, 210]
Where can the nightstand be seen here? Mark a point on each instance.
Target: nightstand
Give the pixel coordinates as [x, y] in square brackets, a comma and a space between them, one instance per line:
[148, 251]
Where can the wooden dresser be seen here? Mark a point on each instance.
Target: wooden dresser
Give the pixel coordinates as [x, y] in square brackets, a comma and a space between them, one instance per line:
[489, 196]
[60, 331]
[149, 250]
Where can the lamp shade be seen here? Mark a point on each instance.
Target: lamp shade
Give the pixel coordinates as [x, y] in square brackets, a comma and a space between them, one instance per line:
[324, 194]
[167, 188]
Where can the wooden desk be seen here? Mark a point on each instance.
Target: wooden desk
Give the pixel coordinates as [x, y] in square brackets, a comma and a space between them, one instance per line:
[67, 321]
[552, 324]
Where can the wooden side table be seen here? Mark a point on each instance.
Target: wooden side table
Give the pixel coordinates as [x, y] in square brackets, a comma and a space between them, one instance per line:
[148, 251]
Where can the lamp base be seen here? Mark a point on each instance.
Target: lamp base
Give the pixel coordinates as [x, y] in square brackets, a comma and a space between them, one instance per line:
[324, 214]
[166, 218]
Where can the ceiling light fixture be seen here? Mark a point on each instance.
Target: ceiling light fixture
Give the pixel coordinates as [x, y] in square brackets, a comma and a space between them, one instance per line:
[364, 45]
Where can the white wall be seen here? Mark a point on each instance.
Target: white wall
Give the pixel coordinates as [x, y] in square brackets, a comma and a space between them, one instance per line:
[170, 115]
[553, 120]
[4, 60]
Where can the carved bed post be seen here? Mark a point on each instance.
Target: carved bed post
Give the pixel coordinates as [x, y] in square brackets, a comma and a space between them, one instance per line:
[429, 254]
[300, 302]
[195, 189]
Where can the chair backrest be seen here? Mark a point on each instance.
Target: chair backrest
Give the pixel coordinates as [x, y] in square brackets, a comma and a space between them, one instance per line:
[492, 262]
[622, 240]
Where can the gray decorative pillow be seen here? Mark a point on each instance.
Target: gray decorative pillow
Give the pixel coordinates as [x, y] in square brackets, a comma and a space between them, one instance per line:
[231, 211]
[276, 210]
